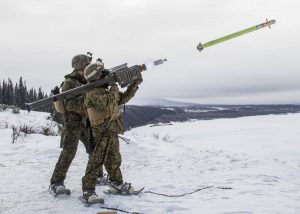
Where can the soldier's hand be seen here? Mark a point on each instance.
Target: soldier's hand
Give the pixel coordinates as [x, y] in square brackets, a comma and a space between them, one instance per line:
[114, 88]
[55, 91]
[136, 83]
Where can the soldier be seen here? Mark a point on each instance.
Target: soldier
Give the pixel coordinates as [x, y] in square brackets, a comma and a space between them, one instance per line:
[102, 106]
[73, 128]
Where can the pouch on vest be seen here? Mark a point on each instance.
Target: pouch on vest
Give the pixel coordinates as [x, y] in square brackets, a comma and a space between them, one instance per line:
[97, 117]
[59, 106]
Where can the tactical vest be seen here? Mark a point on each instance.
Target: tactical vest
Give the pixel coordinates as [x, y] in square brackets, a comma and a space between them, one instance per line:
[97, 117]
[59, 105]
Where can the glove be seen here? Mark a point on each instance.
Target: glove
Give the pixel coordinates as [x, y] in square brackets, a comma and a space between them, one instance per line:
[114, 88]
[136, 83]
[55, 91]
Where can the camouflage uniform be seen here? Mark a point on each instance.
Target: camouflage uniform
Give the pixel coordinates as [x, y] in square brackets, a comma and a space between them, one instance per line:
[106, 134]
[73, 128]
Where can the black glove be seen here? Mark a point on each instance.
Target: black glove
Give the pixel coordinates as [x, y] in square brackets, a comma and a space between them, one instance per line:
[55, 90]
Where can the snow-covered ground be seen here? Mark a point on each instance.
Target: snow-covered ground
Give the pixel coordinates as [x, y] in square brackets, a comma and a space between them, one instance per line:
[258, 157]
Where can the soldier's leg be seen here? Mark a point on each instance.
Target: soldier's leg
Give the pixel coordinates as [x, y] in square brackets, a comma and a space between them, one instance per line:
[70, 140]
[95, 163]
[84, 138]
[113, 160]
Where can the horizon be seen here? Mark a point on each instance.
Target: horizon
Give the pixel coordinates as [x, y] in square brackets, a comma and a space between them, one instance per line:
[162, 101]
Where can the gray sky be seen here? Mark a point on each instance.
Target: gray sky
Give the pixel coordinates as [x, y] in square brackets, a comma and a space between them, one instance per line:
[39, 37]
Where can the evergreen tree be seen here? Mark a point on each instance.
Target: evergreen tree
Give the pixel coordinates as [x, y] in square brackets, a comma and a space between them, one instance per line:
[25, 92]
[35, 95]
[22, 94]
[10, 92]
[30, 96]
[40, 94]
[1, 100]
[4, 92]
[18, 94]
[17, 100]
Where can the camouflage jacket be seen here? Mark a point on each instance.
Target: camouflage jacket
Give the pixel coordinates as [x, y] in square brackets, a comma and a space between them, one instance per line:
[101, 99]
[75, 106]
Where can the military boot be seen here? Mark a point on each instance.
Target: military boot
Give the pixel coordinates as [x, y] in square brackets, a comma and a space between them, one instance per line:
[103, 180]
[59, 189]
[90, 197]
[121, 189]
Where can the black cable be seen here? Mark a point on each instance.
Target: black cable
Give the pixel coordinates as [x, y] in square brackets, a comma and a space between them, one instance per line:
[188, 193]
[123, 211]
[155, 193]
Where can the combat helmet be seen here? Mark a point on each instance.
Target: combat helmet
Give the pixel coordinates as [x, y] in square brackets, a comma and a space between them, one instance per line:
[93, 71]
[81, 60]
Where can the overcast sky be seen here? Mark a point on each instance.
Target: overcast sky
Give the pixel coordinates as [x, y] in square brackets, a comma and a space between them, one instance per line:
[39, 38]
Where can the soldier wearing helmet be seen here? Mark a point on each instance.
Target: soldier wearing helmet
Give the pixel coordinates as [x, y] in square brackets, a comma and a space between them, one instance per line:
[102, 105]
[73, 113]
[80, 61]
[94, 71]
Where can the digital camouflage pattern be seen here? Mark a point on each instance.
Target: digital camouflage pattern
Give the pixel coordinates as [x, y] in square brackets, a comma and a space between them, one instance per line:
[107, 151]
[106, 135]
[73, 128]
[75, 105]
[80, 61]
[73, 131]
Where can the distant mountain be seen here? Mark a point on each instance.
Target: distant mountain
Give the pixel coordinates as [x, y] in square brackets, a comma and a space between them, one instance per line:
[160, 102]
[135, 116]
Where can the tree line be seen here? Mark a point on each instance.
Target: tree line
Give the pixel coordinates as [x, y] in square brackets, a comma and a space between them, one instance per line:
[17, 94]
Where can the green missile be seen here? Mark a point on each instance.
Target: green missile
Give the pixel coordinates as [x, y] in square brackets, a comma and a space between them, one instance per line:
[201, 46]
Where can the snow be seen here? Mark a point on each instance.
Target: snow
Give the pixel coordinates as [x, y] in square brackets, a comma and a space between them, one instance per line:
[209, 109]
[258, 157]
[36, 121]
[170, 109]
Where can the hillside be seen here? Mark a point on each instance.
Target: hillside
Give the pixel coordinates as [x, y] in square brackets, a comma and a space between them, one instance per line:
[245, 165]
[135, 116]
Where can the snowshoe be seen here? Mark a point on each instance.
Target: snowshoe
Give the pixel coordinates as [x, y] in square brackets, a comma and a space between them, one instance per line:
[90, 198]
[103, 180]
[124, 189]
[59, 189]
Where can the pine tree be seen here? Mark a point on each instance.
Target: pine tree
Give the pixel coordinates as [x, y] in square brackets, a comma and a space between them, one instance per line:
[35, 95]
[30, 96]
[22, 94]
[18, 94]
[1, 100]
[10, 92]
[40, 94]
[4, 92]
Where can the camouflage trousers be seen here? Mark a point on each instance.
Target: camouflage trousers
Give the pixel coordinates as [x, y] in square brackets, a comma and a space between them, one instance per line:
[73, 131]
[106, 151]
